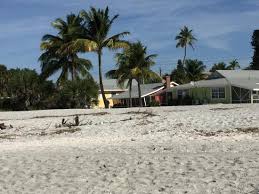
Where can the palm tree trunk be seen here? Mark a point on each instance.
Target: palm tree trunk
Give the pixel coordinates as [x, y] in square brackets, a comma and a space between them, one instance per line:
[139, 94]
[185, 51]
[130, 89]
[106, 103]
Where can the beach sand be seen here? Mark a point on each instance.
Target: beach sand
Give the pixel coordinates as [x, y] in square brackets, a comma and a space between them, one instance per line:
[191, 149]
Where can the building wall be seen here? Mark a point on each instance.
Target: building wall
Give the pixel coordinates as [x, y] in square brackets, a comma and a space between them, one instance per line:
[107, 95]
[205, 95]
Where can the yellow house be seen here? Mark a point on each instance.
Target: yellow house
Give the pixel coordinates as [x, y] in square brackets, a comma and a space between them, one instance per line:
[110, 89]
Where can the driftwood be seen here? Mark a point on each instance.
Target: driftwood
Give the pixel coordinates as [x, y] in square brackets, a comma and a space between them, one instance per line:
[69, 125]
[2, 126]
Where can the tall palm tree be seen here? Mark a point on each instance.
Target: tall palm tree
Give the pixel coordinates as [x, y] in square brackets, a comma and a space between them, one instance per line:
[185, 38]
[95, 37]
[194, 70]
[56, 56]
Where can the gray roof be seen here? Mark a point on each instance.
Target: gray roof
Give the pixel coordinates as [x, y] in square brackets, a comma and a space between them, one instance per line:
[111, 85]
[242, 78]
[202, 84]
[248, 79]
[146, 89]
[239, 74]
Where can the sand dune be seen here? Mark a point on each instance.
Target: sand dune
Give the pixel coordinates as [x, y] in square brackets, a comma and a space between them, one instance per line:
[197, 149]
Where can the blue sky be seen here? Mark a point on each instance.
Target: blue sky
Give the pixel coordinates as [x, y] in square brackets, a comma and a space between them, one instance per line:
[223, 28]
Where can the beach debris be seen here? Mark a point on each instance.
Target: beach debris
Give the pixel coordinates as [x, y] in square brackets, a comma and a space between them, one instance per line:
[64, 123]
[7, 136]
[220, 109]
[60, 131]
[58, 116]
[2, 126]
[77, 120]
[144, 113]
[248, 130]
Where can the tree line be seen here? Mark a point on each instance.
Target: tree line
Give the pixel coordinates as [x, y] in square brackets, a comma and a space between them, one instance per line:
[24, 89]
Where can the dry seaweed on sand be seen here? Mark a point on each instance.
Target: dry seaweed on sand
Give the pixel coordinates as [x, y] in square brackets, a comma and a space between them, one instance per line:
[59, 116]
[220, 109]
[145, 113]
[62, 130]
[248, 130]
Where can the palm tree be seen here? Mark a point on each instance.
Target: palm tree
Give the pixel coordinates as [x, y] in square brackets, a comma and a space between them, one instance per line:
[185, 38]
[233, 65]
[134, 64]
[194, 70]
[140, 65]
[219, 66]
[222, 66]
[56, 54]
[123, 73]
[95, 37]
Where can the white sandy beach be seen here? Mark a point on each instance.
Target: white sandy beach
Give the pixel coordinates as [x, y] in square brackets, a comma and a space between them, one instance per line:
[192, 149]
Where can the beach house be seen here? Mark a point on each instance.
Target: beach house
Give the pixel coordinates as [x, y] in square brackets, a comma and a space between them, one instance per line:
[150, 93]
[222, 86]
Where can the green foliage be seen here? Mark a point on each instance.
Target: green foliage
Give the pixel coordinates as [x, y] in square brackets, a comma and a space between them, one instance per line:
[222, 66]
[185, 38]
[255, 44]
[194, 70]
[233, 65]
[23, 89]
[134, 64]
[3, 79]
[154, 104]
[219, 66]
[95, 37]
[178, 74]
[59, 56]
[79, 93]
[191, 71]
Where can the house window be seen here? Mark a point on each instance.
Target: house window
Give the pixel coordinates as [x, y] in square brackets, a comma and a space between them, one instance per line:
[182, 93]
[218, 93]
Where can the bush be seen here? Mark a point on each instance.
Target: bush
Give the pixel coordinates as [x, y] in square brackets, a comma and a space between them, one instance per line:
[154, 104]
[28, 91]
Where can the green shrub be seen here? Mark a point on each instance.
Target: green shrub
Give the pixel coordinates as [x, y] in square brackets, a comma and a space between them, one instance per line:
[154, 103]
